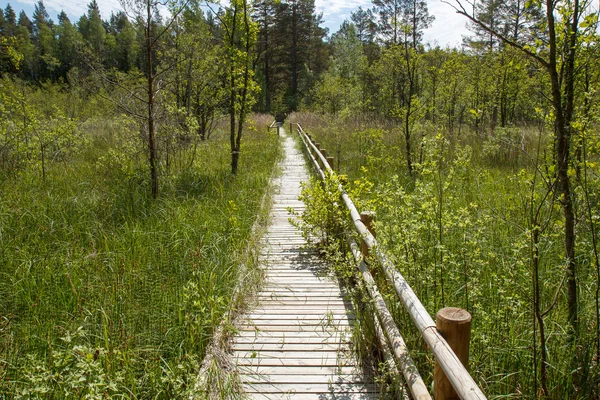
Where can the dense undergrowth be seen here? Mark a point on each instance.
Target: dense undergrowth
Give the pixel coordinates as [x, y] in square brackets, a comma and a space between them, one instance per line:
[477, 227]
[105, 292]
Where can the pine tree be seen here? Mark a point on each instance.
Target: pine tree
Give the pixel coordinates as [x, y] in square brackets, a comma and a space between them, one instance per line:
[364, 22]
[11, 21]
[40, 18]
[25, 22]
[92, 29]
[416, 19]
[68, 40]
[390, 19]
[264, 15]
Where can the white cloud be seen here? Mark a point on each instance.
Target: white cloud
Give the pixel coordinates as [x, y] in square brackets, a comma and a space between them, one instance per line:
[448, 27]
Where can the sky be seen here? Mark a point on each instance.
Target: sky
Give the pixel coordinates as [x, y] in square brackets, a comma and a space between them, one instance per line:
[446, 30]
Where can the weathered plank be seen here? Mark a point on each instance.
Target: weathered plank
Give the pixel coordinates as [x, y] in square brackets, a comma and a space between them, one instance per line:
[292, 388]
[299, 370]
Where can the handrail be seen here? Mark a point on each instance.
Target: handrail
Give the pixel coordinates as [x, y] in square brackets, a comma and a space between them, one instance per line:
[455, 371]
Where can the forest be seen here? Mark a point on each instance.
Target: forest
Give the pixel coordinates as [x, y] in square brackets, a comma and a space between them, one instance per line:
[135, 158]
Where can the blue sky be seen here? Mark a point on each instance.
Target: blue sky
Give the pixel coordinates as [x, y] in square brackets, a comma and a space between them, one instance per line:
[446, 30]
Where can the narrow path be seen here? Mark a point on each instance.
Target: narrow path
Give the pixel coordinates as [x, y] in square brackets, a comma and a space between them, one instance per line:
[296, 343]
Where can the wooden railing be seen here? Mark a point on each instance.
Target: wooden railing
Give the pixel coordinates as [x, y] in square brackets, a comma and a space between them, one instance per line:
[447, 362]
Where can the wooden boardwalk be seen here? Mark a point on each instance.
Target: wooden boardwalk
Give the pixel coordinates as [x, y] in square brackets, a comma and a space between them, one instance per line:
[296, 343]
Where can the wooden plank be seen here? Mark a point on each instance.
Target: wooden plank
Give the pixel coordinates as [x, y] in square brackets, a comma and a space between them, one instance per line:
[293, 340]
[302, 295]
[325, 300]
[297, 299]
[302, 316]
[280, 334]
[293, 328]
[301, 347]
[316, 321]
[305, 309]
[318, 378]
[330, 361]
[293, 299]
[304, 291]
[296, 277]
[298, 370]
[307, 388]
[314, 396]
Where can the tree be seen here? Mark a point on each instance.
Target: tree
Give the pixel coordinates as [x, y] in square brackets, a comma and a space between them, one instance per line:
[366, 29]
[10, 25]
[198, 73]
[68, 42]
[146, 13]
[25, 22]
[46, 62]
[416, 19]
[339, 90]
[299, 54]
[364, 21]
[25, 46]
[390, 19]
[92, 29]
[40, 18]
[264, 15]
[122, 47]
[240, 34]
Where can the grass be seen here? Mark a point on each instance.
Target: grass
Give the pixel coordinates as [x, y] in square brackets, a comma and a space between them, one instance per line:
[460, 233]
[104, 292]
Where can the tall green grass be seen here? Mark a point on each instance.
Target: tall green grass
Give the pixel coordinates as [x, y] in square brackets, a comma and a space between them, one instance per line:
[460, 231]
[104, 292]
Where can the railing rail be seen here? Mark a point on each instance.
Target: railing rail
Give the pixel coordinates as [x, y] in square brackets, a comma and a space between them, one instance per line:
[455, 371]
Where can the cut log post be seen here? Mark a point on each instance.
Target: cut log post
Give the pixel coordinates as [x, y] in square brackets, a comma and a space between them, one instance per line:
[454, 324]
[367, 218]
[324, 153]
[330, 162]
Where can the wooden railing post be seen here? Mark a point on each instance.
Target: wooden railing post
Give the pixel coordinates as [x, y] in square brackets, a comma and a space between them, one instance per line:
[455, 326]
[367, 218]
[330, 162]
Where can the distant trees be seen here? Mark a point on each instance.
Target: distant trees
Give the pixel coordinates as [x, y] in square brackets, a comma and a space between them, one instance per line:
[291, 53]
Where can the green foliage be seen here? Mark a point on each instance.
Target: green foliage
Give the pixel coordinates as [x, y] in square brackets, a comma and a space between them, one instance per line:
[108, 293]
[461, 232]
[322, 222]
[32, 136]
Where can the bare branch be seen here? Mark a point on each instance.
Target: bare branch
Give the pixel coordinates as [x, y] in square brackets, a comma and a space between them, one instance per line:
[174, 17]
[555, 297]
[461, 10]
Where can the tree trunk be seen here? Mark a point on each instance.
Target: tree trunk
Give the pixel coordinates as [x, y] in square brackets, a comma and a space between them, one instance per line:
[151, 138]
[564, 115]
[294, 52]
[267, 73]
